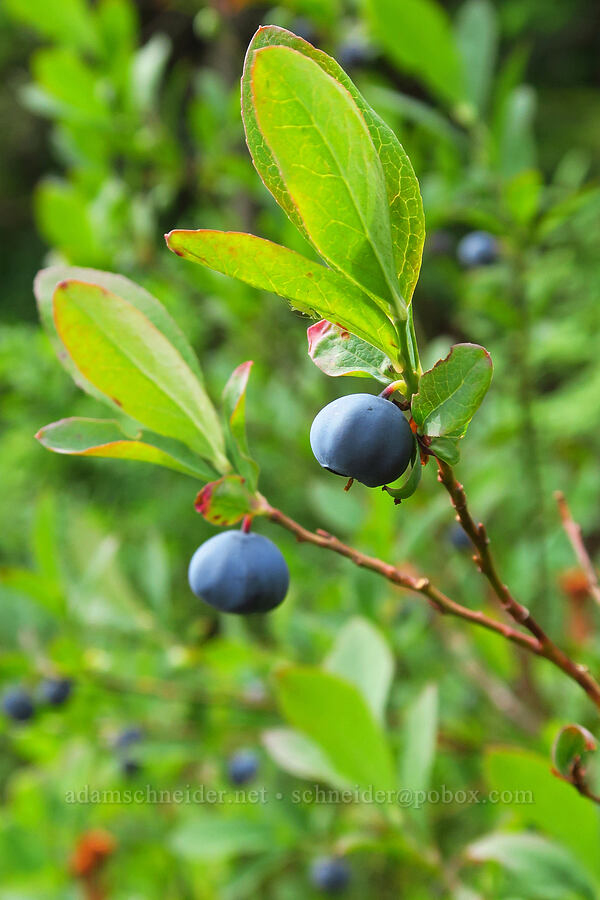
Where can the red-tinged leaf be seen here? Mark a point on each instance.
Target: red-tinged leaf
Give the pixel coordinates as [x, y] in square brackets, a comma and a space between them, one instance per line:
[228, 500]
[337, 352]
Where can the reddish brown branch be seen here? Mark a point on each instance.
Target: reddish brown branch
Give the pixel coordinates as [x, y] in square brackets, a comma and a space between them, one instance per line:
[423, 586]
[573, 532]
[487, 566]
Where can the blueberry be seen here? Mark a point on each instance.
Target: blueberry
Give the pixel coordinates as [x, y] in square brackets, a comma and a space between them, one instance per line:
[239, 573]
[458, 538]
[330, 874]
[56, 691]
[363, 437]
[478, 248]
[242, 766]
[131, 735]
[17, 704]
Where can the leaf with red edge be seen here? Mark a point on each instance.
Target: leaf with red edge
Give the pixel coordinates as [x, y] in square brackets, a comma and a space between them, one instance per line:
[337, 352]
[228, 500]
[234, 412]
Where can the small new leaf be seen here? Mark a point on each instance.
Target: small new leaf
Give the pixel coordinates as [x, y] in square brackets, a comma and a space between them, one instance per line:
[336, 351]
[571, 747]
[227, 500]
[450, 393]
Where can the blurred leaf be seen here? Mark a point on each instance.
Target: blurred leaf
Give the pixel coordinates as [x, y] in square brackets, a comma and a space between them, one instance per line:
[106, 438]
[212, 837]
[537, 796]
[69, 21]
[309, 286]
[234, 410]
[300, 756]
[337, 352]
[450, 393]
[477, 42]
[362, 656]
[407, 220]
[73, 84]
[419, 740]
[46, 282]
[126, 357]
[64, 219]
[147, 69]
[522, 195]
[226, 501]
[333, 713]
[45, 541]
[417, 37]
[572, 745]
[543, 869]
[516, 140]
[298, 108]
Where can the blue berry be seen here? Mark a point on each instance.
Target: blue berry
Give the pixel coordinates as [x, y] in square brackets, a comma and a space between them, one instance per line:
[56, 691]
[242, 766]
[364, 437]
[17, 704]
[330, 874]
[131, 735]
[478, 248]
[458, 538]
[237, 572]
[130, 767]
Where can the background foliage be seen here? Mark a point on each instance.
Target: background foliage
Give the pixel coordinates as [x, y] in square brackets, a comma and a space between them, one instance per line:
[123, 122]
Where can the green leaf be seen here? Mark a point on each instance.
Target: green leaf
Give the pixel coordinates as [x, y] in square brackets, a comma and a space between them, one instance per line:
[332, 713]
[542, 868]
[536, 795]
[308, 286]
[572, 745]
[446, 449]
[451, 392]
[69, 22]
[300, 756]
[522, 194]
[211, 838]
[227, 501]
[477, 42]
[47, 280]
[122, 353]
[233, 404]
[337, 352]
[407, 220]
[106, 438]
[328, 168]
[362, 656]
[420, 738]
[417, 37]
[516, 148]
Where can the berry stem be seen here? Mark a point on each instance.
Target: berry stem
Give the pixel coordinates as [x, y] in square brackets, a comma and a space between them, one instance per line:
[573, 532]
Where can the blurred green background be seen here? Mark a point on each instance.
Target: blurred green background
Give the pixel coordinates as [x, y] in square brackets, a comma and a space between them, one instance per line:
[120, 121]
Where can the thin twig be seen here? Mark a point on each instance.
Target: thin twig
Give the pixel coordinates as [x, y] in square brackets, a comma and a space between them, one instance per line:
[573, 532]
[439, 601]
[520, 614]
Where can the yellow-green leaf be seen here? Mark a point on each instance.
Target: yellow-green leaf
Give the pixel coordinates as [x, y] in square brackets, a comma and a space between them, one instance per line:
[122, 353]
